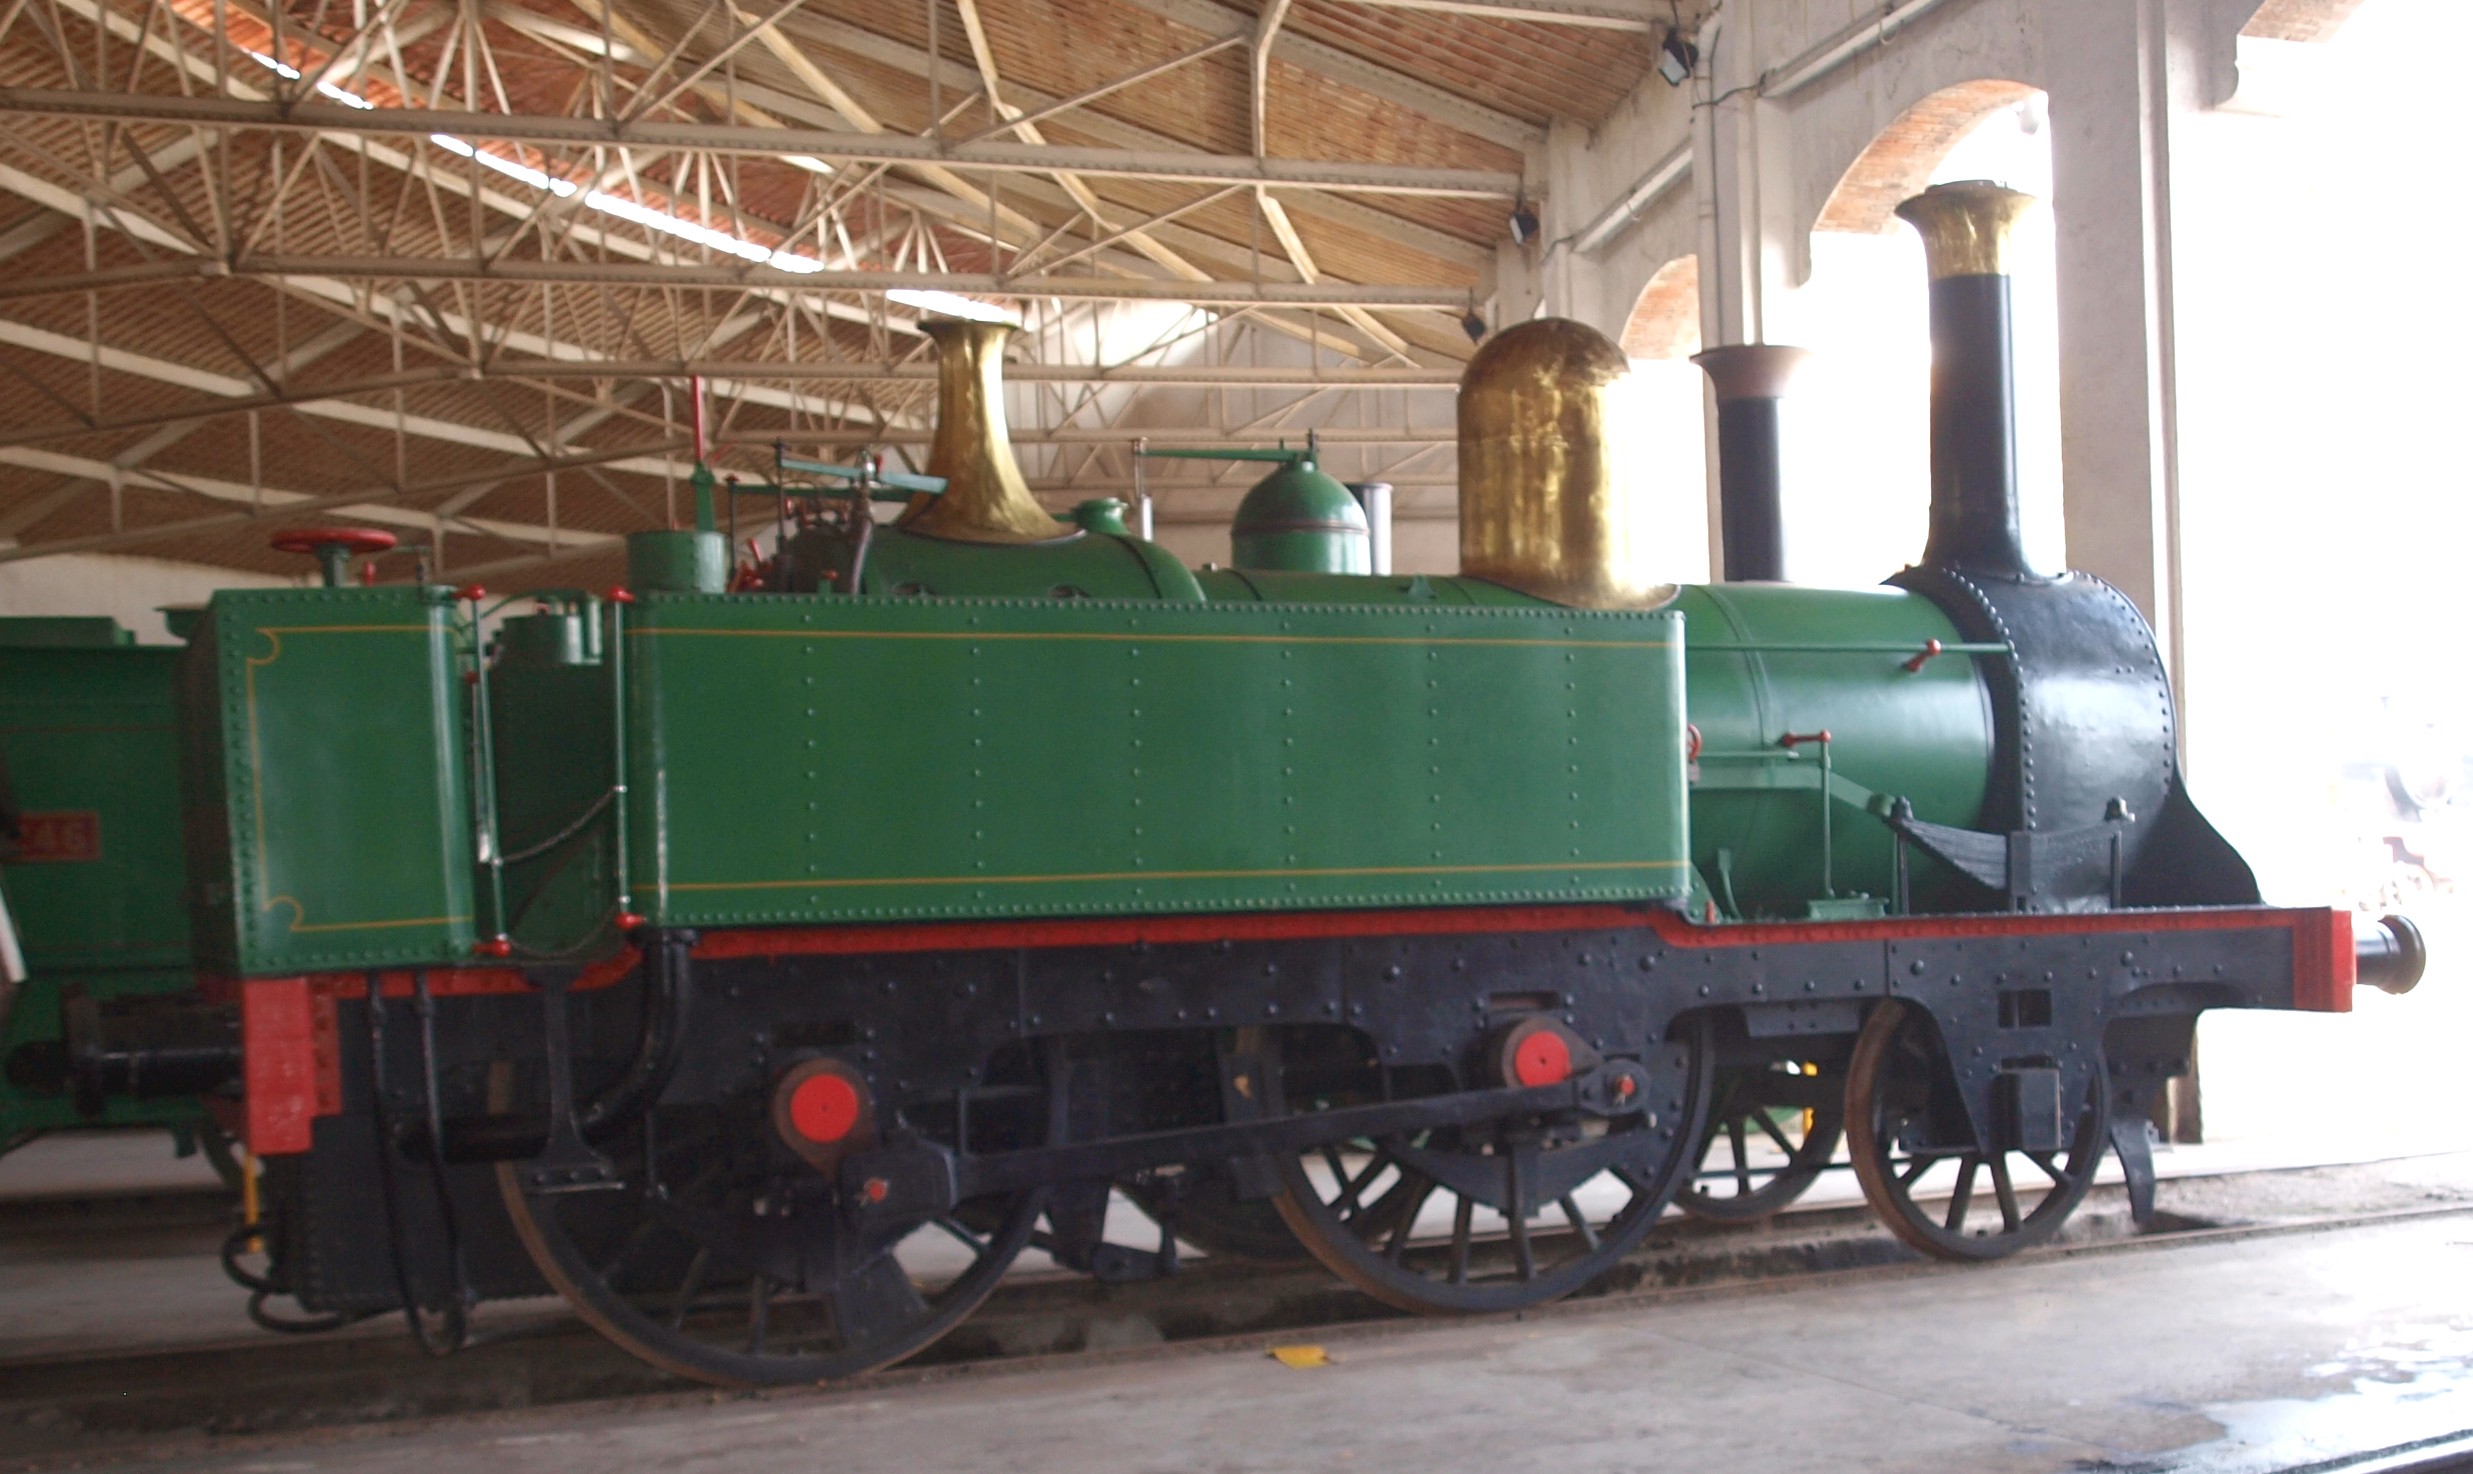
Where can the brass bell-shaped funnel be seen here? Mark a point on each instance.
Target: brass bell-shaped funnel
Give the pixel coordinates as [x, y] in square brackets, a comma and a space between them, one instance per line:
[985, 499]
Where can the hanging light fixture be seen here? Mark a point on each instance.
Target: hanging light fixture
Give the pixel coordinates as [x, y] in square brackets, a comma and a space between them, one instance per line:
[1676, 58]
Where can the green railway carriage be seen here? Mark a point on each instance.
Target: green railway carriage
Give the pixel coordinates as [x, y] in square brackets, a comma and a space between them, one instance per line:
[764, 969]
[91, 867]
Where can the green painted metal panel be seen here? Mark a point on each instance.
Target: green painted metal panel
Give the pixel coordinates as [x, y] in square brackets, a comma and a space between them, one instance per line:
[818, 760]
[90, 755]
[63, 632]
[1767, 660]
[87, 742]
[329, 760]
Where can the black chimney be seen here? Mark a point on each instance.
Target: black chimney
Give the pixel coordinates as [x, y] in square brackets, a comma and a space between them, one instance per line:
[1750, 379]
[1965, 229]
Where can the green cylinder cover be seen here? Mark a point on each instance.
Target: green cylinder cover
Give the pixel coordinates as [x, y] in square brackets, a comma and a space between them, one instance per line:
[678, 562]
[1766, 661]
[1299, 520]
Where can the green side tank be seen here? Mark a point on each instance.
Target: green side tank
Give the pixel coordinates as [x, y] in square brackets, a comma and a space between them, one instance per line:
[1765, 663]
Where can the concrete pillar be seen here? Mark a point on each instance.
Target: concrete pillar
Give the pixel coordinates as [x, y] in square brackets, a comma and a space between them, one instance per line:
[2117, 73]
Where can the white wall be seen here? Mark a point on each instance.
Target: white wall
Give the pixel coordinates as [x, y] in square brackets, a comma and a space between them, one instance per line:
[130, 590]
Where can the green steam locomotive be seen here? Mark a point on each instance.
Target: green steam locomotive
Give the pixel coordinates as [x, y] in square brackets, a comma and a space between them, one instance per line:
[765, 959]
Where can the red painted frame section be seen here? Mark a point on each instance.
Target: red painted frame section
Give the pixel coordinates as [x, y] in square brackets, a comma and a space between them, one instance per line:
[283, 1064]
[292, 1068]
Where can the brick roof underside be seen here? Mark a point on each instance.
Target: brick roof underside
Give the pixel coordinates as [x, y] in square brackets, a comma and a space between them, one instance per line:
[134, 372]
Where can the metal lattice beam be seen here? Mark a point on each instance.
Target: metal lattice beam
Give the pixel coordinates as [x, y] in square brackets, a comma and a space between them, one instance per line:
[726, 371]
[550, 131]
[749, 275]
[261, 502]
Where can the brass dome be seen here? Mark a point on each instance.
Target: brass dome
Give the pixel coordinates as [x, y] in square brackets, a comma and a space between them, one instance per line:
[1546, 455]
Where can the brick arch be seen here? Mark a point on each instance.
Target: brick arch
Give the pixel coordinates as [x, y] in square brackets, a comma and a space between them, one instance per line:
[1899, 161]
[1665, 322]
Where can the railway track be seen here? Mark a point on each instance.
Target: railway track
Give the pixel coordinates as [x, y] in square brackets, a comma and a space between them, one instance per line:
[65, 1412]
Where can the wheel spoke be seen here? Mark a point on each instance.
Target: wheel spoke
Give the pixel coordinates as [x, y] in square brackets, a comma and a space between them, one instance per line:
[1579, 1223]
[1743, 1171]
[1339, 1170]
[1959, 1198]
[691, 1286]
[1406, 1227]
[1515, 1213]
[759, 1312]
[725, 1309]
[1351, 1187]
[970, 1241]
[635, 1239]
[1770, 1127]
[1898, 1072]
[1395, 1204]
[2002, 1190]
[1461, 1219]
[1531, 1169]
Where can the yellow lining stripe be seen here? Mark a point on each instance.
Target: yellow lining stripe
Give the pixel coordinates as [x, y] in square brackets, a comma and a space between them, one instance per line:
[834, 884]
[1112, 639]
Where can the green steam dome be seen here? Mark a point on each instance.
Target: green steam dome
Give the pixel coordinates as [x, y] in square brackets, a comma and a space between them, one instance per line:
[1298, 520]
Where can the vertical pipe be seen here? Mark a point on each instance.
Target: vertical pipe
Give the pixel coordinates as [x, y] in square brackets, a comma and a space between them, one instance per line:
[614, 657]
[1965, 229]
[1749, 379]
[1141, 494]
[702, 479]
[484, 782]
[1375, 497]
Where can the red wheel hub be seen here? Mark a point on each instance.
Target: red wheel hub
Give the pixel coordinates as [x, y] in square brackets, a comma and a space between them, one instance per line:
[1541, 1059]
[824, 1108]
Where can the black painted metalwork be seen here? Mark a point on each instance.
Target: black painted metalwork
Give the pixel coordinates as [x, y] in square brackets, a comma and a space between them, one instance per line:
[1974, 430]
[1748, 380]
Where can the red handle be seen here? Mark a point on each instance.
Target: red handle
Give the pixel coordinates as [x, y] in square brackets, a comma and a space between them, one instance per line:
[1797, 739]
[1930, 649]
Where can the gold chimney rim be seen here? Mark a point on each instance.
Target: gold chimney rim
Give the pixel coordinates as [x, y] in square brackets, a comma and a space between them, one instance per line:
[1966, 226]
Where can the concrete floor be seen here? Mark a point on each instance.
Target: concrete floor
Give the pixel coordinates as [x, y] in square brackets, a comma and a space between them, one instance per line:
[2229, 1357]
[2232, 1357]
